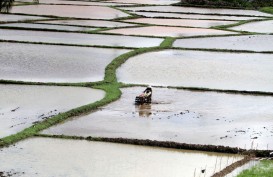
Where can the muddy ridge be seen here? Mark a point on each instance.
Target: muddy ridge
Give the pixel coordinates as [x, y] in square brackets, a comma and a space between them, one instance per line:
[232, 167]
[169, 144]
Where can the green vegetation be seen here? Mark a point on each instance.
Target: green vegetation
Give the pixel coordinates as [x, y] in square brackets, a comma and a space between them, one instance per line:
[5, 5]
[253, 4]
[267, 10]
[263, 169]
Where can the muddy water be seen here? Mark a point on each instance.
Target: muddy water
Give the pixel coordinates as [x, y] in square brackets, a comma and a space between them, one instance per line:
[155, 2]
[46, 63]
[45, 26]
[93, 23]
[180, 22]
[214, 70]
[251, 42]
[167, 31]
[193, 16]
[181, 116]
[22, 106]
[12, 18]
[258, 27]
[78, 39]
[195, 10]
[82, 158]
[94, 12]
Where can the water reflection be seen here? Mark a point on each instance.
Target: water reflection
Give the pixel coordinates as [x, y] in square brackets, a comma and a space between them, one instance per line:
[144, 110]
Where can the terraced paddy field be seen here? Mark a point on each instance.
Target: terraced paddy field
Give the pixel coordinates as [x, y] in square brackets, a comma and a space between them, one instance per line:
[192, 16]
[77, 38]
[90, 12]
[196, 10]
[87, 23]
[30, 62]
[46, 26]
[201, 69]
[91, 158]
[70, 72]
[258, 27]
[24, 106]
[258, 43]
[12, 18]
[180, 22]
[167, 31]
[180, 116]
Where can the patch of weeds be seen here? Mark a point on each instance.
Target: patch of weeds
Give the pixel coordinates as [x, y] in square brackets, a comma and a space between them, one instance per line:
[267, 10]
[264, 168]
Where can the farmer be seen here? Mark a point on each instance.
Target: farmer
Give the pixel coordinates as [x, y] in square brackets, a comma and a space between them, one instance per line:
[148, 92]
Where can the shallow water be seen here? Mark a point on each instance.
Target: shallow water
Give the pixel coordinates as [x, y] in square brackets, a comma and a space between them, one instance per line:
[78, 39]
[167, 31]
[93, 23]
[180, 22]
[45, 26]
[21, 106]
[193, 16]
[89, 3]
[13, 18]
[258, 27]
[181, 116]
[196, 10]
[82, 158]
[47, 63]
[155, 2]
[250, 42]
[90, 12]
[214, 70]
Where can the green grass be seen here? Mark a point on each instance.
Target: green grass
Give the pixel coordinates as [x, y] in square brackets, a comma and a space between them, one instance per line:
[263, 169]
[267, 10]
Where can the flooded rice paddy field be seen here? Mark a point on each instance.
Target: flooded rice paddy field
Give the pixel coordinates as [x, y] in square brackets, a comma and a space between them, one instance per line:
[46, 26]
[167, 31]
[13, 18]
[87, 3]
[82, 158]
[22, 106]
[48, 63]
[85, 23]
[202, 69]
[258, 27]
[182, 22]
[256, 43]
[192, 117]
[89, 12]
[196, 10]
[78, 38]
[147, 2]
[193, 16]
[181, 116]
